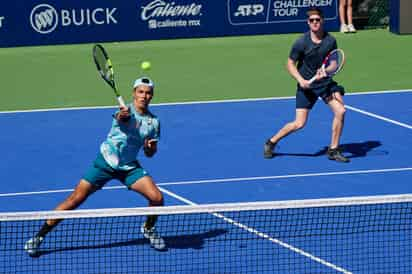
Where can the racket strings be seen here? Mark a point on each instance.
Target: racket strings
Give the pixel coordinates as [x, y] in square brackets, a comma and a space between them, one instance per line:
[334, 63]
[103, 64]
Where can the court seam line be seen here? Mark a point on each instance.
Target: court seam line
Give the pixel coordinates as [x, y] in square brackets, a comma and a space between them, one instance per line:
[225, 180]
[199, 102]
[378, 117]
[258, 178]
[262, 235]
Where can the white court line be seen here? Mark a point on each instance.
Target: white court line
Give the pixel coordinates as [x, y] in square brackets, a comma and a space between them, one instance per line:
[248, 179]
[235, 101]
[227, 180]
[263, 235]
[201, 102]
[379, 117]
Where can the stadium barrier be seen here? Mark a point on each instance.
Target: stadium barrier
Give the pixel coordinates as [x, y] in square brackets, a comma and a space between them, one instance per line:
[401, 17]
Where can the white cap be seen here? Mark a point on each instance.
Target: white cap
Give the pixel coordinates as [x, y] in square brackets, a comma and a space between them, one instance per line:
[145, 81]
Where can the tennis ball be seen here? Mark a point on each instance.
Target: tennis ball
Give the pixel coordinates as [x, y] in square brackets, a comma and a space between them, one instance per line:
[145, 65]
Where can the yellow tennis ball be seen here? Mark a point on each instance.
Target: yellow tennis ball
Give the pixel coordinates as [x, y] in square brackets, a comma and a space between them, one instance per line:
[145, 65]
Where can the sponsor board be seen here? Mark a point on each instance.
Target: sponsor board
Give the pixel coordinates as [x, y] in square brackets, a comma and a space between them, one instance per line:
[243, 12]
[44, 18]
[46, 22]
[169, 14]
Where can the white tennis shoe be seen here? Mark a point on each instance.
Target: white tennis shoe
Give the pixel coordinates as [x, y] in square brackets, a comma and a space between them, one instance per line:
[156, 241]
[351, 28]
[32, 246]
[344, 28]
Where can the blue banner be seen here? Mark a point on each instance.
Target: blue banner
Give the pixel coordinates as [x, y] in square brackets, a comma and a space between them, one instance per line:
[34, 22]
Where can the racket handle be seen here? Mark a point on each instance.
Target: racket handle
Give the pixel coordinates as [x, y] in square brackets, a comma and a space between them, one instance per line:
[121, 101]
[312, 79]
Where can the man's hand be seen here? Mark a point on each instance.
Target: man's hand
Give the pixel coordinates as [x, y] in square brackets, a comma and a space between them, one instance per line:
[124, 114]
[320, 74]
[150, 147]
[305, 84]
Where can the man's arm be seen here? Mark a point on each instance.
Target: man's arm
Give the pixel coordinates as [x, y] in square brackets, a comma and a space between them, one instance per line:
[293, 70]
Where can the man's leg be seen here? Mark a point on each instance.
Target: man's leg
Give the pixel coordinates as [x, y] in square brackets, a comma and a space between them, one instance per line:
[300, 120]
[337, 106]
[151, 192]
[76, 198]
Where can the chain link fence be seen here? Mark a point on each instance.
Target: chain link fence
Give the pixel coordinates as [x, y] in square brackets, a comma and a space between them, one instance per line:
[371, 13]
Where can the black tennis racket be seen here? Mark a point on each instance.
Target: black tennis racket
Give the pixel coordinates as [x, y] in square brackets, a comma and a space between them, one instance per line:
[105, 68]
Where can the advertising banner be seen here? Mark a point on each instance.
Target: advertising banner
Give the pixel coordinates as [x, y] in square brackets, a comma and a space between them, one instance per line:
[34, 22]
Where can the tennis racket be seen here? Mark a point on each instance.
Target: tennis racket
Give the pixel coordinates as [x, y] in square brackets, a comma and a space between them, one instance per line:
[105, 68]
[332, 64]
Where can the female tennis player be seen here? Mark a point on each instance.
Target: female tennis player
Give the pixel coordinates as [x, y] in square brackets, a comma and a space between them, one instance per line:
[133, 127]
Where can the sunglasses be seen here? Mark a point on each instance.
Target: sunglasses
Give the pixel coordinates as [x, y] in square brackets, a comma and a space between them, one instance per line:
[314, 20]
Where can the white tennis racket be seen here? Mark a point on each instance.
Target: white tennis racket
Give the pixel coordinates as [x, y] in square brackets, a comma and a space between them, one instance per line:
[332, 64]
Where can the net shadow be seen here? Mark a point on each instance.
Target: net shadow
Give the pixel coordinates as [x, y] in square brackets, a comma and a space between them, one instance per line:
[190, 241]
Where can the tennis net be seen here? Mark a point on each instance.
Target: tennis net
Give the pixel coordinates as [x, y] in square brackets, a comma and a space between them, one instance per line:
[343, 235]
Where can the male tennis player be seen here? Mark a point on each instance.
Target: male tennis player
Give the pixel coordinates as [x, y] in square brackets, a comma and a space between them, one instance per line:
[133, 127]
[304, 61]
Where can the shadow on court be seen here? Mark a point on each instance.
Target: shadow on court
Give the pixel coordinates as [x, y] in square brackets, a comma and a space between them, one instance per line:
[363, 149]
[355, 150]
[193, 241]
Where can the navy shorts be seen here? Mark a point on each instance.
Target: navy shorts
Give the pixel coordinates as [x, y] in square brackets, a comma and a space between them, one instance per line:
[101, 172]
[306, 98]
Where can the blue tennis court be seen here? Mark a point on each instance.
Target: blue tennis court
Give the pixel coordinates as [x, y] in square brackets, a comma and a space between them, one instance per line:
[212, 152]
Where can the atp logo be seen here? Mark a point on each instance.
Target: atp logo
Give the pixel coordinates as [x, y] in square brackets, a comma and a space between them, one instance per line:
[249, 10]
[44, 18]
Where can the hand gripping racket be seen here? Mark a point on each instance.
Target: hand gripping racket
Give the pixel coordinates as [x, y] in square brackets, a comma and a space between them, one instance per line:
[332, 64]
